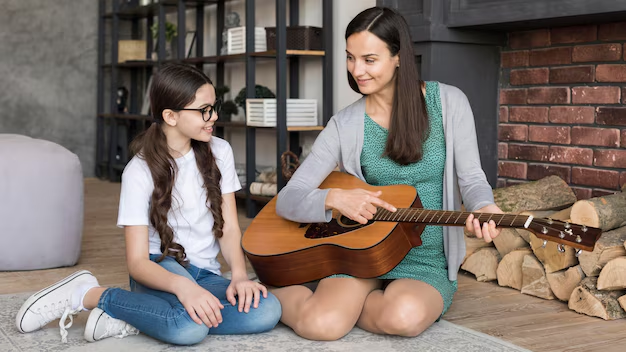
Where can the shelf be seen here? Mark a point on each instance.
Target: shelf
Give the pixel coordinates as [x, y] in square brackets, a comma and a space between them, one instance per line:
[272, 53]
[242, 56]
[153, 9]
[304, 128]
[134, 63]
[260, 199]
[235, 124]
[294, 128]
[215, 59]
[126, 116]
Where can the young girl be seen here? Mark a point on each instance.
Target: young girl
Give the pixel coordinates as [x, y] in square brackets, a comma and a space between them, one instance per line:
[402, 131]
[177, 208]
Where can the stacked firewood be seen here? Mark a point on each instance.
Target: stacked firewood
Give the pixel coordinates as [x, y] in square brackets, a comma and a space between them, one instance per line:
[593, 283]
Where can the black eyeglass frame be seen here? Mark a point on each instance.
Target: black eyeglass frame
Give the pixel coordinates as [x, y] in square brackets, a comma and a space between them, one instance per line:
[217, 106]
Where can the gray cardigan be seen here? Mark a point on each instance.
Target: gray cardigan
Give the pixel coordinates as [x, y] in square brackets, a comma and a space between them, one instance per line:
[341, 142]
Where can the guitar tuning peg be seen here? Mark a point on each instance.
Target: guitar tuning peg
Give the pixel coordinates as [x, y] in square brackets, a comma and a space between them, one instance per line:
[584, 228]
[578, 239]
[561, 248]
[567, 225]
[578, 252]
[550, 221]
[545, 243]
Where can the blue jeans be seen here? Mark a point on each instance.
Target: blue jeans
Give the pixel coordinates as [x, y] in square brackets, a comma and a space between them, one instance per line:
[161, 315]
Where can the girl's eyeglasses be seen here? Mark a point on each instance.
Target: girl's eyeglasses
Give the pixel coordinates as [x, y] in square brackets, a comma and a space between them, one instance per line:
[207, 111]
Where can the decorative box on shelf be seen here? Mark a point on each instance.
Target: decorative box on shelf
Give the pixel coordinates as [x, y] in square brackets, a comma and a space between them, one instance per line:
[262, 112]
[235, 40]
[130, 50]
[298, 38]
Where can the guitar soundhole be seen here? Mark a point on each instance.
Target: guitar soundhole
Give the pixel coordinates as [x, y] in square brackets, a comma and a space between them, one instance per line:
[333, 228]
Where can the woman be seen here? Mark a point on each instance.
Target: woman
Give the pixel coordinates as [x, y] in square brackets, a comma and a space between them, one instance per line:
[403, 131]
[177, 208]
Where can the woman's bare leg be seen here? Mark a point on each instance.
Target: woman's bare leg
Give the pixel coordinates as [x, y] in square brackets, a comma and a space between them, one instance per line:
[330, 312]
[405, 308]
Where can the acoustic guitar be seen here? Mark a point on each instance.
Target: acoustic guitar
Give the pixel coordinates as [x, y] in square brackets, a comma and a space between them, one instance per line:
[284, 252]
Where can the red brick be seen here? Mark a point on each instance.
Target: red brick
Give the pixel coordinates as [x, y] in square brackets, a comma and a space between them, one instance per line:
[623, 139]
[595, 177]
[512, 169]
[512, 132]
[602, 193]
[572, 74]
[603, 137]
[595, 95]
[623, 95]
[531, 152]
[529, 76]
[612, 31]
[528, 114]
[514, 58]
[529, 39]
[513, 96]
[552, 56]
[615, 158]
[571, 155]
[582, 193]
[549, 95]
[572, 114]
[549, 134]
[611, 73]
[539, 171]
[597, 52]
[611, 116]
[503, 151]
[574, 34]
[504, 114]
[501, 183]
[622, 179]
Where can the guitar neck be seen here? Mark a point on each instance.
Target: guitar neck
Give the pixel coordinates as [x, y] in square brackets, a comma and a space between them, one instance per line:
[450, 218]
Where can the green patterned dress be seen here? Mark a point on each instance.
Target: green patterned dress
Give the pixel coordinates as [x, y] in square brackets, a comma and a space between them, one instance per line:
[427, 262]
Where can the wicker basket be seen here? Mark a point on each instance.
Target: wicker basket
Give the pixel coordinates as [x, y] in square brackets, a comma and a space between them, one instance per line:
[298, 38]
[130, 50]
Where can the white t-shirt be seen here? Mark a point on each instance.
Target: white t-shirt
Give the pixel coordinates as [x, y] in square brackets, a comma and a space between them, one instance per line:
[189, 216]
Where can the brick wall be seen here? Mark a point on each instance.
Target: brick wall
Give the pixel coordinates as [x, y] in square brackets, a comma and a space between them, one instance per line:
[561, 95]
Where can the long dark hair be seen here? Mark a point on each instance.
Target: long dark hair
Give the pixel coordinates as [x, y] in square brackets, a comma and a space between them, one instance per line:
[409, 127]
[173, 86]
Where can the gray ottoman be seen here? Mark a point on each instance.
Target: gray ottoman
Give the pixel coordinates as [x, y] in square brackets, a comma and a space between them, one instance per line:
[41, 204]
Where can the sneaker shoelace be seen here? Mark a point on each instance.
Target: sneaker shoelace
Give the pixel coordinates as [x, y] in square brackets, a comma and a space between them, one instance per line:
[118, 328]
[68, 313]
[47, 313]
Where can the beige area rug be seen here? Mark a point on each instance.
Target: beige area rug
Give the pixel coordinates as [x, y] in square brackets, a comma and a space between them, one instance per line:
[442, 336]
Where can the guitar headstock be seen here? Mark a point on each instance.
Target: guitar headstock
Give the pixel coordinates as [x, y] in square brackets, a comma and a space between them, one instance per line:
[577, 236]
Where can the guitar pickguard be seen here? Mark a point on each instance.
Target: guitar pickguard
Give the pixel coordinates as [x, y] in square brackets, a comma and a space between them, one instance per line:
[333, 228]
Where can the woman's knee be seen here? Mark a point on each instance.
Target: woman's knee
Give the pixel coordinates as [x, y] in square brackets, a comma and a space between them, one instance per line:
[323, 325]
[406, 316]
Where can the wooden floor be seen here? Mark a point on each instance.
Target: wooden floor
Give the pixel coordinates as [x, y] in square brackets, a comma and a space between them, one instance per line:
[526, 321]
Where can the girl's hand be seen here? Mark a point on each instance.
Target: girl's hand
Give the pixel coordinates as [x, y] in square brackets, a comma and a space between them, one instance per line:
[245, 290]
[489, 230]
[357, 204]
[201, 305]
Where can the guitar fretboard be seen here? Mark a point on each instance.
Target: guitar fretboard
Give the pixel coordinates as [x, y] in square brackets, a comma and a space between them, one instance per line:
[443, 217]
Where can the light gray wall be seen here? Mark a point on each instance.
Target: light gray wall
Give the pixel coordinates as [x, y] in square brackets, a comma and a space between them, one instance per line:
[48, 73]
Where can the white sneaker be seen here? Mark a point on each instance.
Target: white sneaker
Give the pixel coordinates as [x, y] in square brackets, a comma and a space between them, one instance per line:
[60, 300]
[100, 325]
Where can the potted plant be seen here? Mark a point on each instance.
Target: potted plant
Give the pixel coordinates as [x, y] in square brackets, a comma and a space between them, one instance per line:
[229, 108]
[260, 92]
[170, 34]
